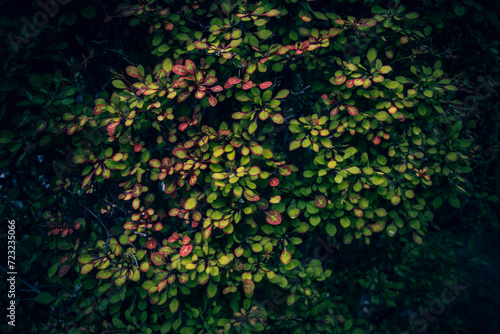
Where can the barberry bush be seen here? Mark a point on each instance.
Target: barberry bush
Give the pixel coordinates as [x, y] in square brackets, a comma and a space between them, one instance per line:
[266, 166]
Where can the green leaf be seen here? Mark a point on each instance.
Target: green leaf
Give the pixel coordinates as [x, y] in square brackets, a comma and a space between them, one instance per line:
[118, 84]
[174, 305]
[412, 15]
[382, 116]
[391, 230]
[211, 289]
[294, 144]
[44, 298]
[263, 34]
[282, 94]
[459, 9]
[371, 55]
[190, 204]
[331, 229]
[88, 12]
[392, 84]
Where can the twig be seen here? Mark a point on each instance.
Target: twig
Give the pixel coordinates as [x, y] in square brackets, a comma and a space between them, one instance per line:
[100, 221]
[108, 236]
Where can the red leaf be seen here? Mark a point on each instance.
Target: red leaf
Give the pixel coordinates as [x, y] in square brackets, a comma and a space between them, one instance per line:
[233, 81]
[182, 97]
[162, 285]
[185, 250]
[129, 226]
[248, 286]
[155, 163]
[371, 22]
[213, 101]
[247, 85]
[199, 94]
[174, 237]
[158, 259]
[265, 85]
[99, 109]
[273, 217]
[334, 111]
[320, 201]
[190, 66]
[133, 72]
[216, 89]
[151, 244]
[209, 81]
[353, 111]
[180, 69]
[358, 212]
[207, 232]
[274, 182]
[64, 270]
[281, 51]
[340, 79]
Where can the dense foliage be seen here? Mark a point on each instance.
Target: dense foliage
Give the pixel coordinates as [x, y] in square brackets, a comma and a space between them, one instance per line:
[236, 167]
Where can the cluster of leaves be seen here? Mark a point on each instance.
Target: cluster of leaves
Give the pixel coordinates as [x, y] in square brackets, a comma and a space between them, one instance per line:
[199, 184]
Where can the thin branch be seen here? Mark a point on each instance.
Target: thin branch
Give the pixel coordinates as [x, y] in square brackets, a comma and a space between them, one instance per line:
[108, 235]
[99, 219]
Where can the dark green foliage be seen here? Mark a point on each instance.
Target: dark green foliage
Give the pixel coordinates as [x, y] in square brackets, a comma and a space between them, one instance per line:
[279, 166]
